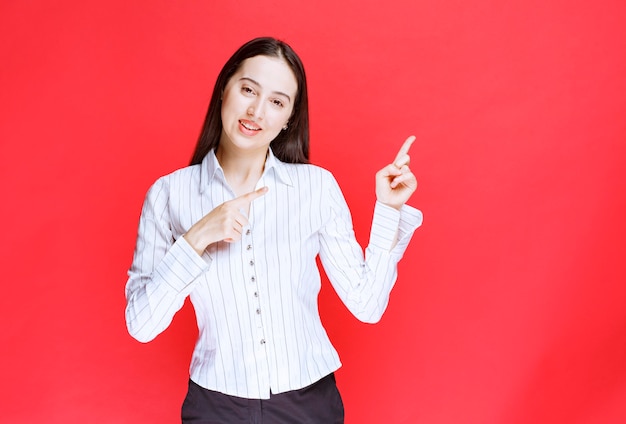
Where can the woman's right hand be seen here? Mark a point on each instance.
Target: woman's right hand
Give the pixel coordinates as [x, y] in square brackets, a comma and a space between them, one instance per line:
[224, 223]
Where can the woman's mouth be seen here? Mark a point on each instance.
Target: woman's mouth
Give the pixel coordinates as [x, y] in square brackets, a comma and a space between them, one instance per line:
[249, 125]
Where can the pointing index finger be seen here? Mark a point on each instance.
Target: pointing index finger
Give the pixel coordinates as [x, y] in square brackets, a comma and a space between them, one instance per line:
[404, 150]
[246, 199]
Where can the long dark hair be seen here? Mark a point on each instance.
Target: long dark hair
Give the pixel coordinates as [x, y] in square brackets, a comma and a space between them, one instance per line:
[290, 145]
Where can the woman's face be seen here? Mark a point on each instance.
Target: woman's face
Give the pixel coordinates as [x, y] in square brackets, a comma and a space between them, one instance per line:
[257, 103]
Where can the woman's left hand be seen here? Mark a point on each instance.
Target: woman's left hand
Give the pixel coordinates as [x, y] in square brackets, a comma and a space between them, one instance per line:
[395, 183]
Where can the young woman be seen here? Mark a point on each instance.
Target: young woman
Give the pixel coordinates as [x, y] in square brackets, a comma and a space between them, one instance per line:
[239, 230]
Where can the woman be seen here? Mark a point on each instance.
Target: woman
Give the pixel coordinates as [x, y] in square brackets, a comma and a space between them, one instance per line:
[239, 231]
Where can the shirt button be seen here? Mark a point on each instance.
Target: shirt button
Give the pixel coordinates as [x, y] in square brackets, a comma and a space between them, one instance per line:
[258, 311]
[248, 247]
[248, 232]
[252, 279]
[262, 341]
[256, 294]
[251, 263]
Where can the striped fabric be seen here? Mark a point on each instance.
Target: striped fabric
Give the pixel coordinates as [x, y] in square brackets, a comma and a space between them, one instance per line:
[256, 300]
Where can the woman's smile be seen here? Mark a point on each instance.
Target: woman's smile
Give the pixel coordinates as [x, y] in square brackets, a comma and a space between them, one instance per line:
[249, 127]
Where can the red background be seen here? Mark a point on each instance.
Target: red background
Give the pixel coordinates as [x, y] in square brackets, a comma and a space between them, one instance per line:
[511, 301]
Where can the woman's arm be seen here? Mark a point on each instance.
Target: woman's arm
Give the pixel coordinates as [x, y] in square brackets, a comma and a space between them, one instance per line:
[365, 282]
[163, 269]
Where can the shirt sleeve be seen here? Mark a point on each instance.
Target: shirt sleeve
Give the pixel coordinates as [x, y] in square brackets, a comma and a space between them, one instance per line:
[163, 270]
[364, 281]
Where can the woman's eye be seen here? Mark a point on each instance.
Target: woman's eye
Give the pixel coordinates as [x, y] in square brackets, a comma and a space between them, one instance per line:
[277, 103]
[247, 90]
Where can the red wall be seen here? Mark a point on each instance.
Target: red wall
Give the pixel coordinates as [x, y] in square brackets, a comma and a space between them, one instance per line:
[511, 301]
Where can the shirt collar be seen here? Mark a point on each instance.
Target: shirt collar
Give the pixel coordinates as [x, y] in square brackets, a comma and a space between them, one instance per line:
[210, 167]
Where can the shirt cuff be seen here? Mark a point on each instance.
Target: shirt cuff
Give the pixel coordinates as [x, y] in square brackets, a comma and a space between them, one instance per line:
[410, 220]
[390, 225]
[384, 226]
[181, 266]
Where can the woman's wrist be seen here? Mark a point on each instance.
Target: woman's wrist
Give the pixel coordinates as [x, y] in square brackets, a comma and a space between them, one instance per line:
[192, 239]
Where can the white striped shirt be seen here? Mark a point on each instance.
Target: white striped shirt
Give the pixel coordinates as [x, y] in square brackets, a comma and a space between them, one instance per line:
[256, 300]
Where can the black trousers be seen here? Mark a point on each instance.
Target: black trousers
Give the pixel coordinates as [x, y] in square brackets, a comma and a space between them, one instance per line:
[319, 403]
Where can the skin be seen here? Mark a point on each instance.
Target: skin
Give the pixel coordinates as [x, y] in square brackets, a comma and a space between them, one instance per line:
[256, 105]
[395, 183]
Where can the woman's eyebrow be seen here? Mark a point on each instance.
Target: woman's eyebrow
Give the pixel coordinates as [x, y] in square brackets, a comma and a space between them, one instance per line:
[259, 85]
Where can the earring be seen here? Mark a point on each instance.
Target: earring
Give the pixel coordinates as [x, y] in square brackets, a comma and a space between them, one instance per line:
[286, 126]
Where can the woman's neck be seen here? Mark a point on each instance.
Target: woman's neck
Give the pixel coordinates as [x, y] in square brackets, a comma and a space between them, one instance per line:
[241, 170]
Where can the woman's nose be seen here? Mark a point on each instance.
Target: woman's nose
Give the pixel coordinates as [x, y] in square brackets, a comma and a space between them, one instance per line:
[255, 111]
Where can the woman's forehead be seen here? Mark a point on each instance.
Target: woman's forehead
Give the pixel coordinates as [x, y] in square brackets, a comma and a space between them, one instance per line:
[269, 73]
